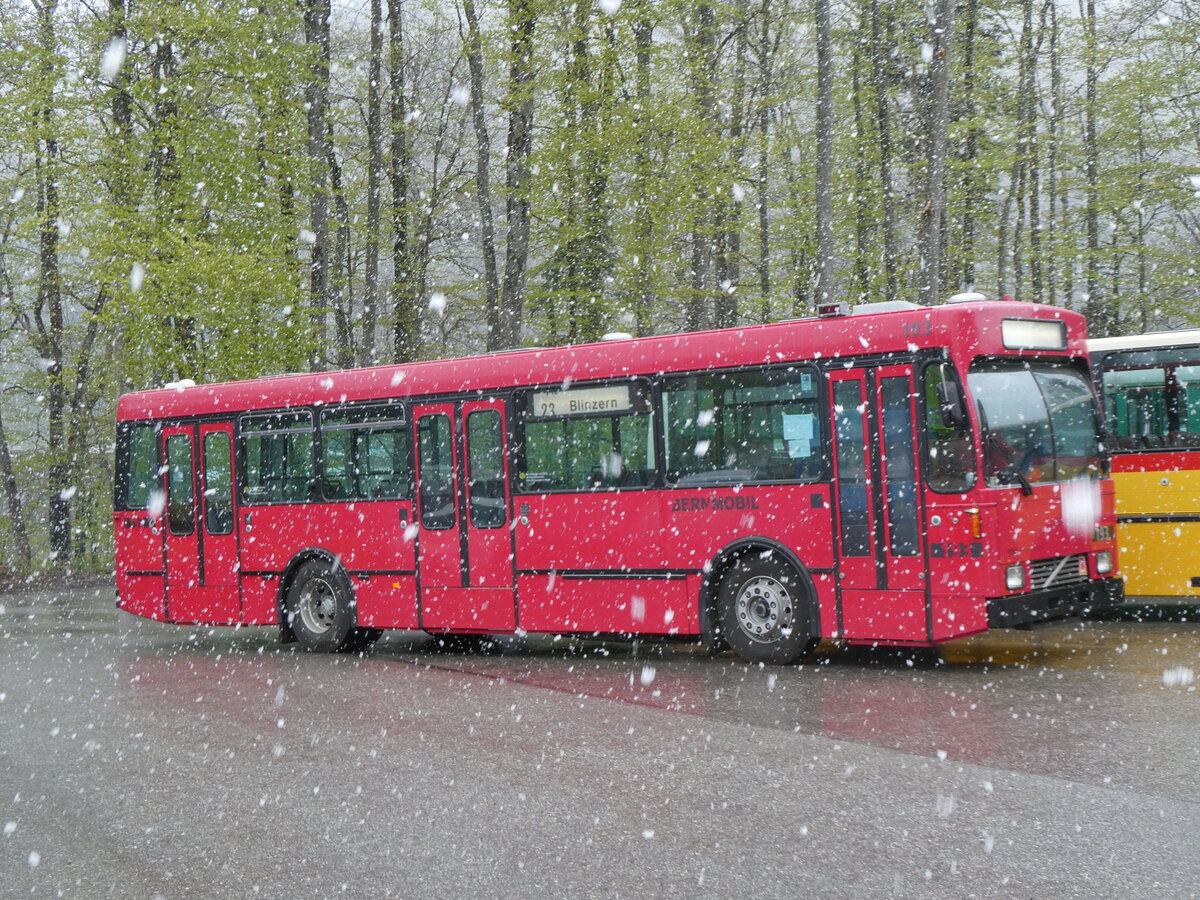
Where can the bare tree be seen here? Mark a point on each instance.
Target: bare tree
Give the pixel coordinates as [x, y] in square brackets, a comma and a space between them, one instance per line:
[941, 31]
[522, 22]
[316, 99]
[473, 42]
[1095, 309]
[372, 295]
[406, 321]
[826, 271]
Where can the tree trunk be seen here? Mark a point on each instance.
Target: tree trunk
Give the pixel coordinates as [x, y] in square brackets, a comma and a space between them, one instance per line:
[643, 220]
[729, 270]
[316, 98]
[861, 278]
[766, 57]
[522, 22]
[824, 187]
[372, 296]
[941, 38]
[483, 178]
[879, 54]
[341, 281]
[972, 193]
[122, 164]
[1056, 99]
[406, 313]
[702, 42]
[1095, 309]
[12, 496]
[51, 333]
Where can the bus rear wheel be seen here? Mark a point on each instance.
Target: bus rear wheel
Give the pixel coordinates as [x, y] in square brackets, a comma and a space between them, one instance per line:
[319, 608]
[765, 611]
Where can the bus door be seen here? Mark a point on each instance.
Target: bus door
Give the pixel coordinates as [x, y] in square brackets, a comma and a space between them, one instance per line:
[464, 565]
[201, 546]
[881, 579]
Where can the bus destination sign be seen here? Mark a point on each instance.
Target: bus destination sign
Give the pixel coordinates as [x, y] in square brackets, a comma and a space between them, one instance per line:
[581, 401]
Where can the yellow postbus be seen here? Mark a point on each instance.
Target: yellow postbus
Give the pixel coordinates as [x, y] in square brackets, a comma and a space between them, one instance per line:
[1151, 390]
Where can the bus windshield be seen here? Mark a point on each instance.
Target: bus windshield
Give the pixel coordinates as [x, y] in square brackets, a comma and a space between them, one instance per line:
[1039, 422]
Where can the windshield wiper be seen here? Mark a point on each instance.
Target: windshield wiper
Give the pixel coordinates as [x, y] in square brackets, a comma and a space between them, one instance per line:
[1015, 471]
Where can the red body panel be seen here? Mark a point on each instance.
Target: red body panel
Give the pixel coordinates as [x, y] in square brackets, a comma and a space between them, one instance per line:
[141, 579]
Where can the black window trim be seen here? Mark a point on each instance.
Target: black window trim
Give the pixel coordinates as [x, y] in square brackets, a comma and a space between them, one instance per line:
[204, 498]
[191, 482]
[121, 460]
[468, 471]
[240, 435]
[923, 366]
[820, 375]
[520, 400]
[401, 421]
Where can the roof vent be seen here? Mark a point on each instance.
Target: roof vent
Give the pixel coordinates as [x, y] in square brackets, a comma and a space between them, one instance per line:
[968, 297]
[617, 336]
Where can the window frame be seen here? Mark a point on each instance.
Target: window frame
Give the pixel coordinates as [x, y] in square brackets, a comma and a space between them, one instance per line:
[1127, 359]
[400, 420]
[243, 468]
[469, 472]
[824, 442]
[970, 426]
[121, 481]
[186, 438]
[204, 493]
[648, 390]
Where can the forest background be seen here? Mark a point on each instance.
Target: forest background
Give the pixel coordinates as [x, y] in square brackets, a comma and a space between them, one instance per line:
[216, 190]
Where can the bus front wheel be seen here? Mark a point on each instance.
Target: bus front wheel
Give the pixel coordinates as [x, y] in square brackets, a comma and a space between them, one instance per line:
[319, 607]
[765, 611]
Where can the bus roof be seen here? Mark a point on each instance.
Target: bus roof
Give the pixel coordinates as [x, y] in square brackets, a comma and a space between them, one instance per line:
[962, 327]
[1149, 341]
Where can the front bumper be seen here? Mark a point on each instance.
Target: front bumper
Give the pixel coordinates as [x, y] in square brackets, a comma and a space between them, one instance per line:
[1056, 603]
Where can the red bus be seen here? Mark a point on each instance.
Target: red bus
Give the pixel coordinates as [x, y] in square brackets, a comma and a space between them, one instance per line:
[898, 475]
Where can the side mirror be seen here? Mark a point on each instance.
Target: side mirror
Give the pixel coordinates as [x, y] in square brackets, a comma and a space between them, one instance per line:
[950, 404]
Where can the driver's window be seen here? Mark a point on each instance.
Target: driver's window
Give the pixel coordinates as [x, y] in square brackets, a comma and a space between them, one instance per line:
[950, 462]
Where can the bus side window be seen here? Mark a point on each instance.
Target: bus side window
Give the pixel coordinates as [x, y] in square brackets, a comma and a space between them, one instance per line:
[138, 468]
[485, 469]
[752, 426]
[565, 451]
[364, 453]
[181, 495]
[951, 455]
[435, 467]
[278, 450]
[218, 484]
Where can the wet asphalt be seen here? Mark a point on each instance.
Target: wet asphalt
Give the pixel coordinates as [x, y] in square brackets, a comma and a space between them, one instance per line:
[147, 760]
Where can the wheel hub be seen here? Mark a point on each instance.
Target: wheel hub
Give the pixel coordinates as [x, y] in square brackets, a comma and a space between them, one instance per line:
[318, 604]
[764, 609]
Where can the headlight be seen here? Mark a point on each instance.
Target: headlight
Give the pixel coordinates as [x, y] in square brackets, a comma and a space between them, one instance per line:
[1104, 563]
[1014, 577]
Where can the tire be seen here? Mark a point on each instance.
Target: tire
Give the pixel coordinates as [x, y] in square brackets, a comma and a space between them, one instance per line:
[766, 611]
[320, 607]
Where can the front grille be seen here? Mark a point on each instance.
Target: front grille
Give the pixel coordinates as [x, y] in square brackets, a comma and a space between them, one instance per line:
[1057, 572]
